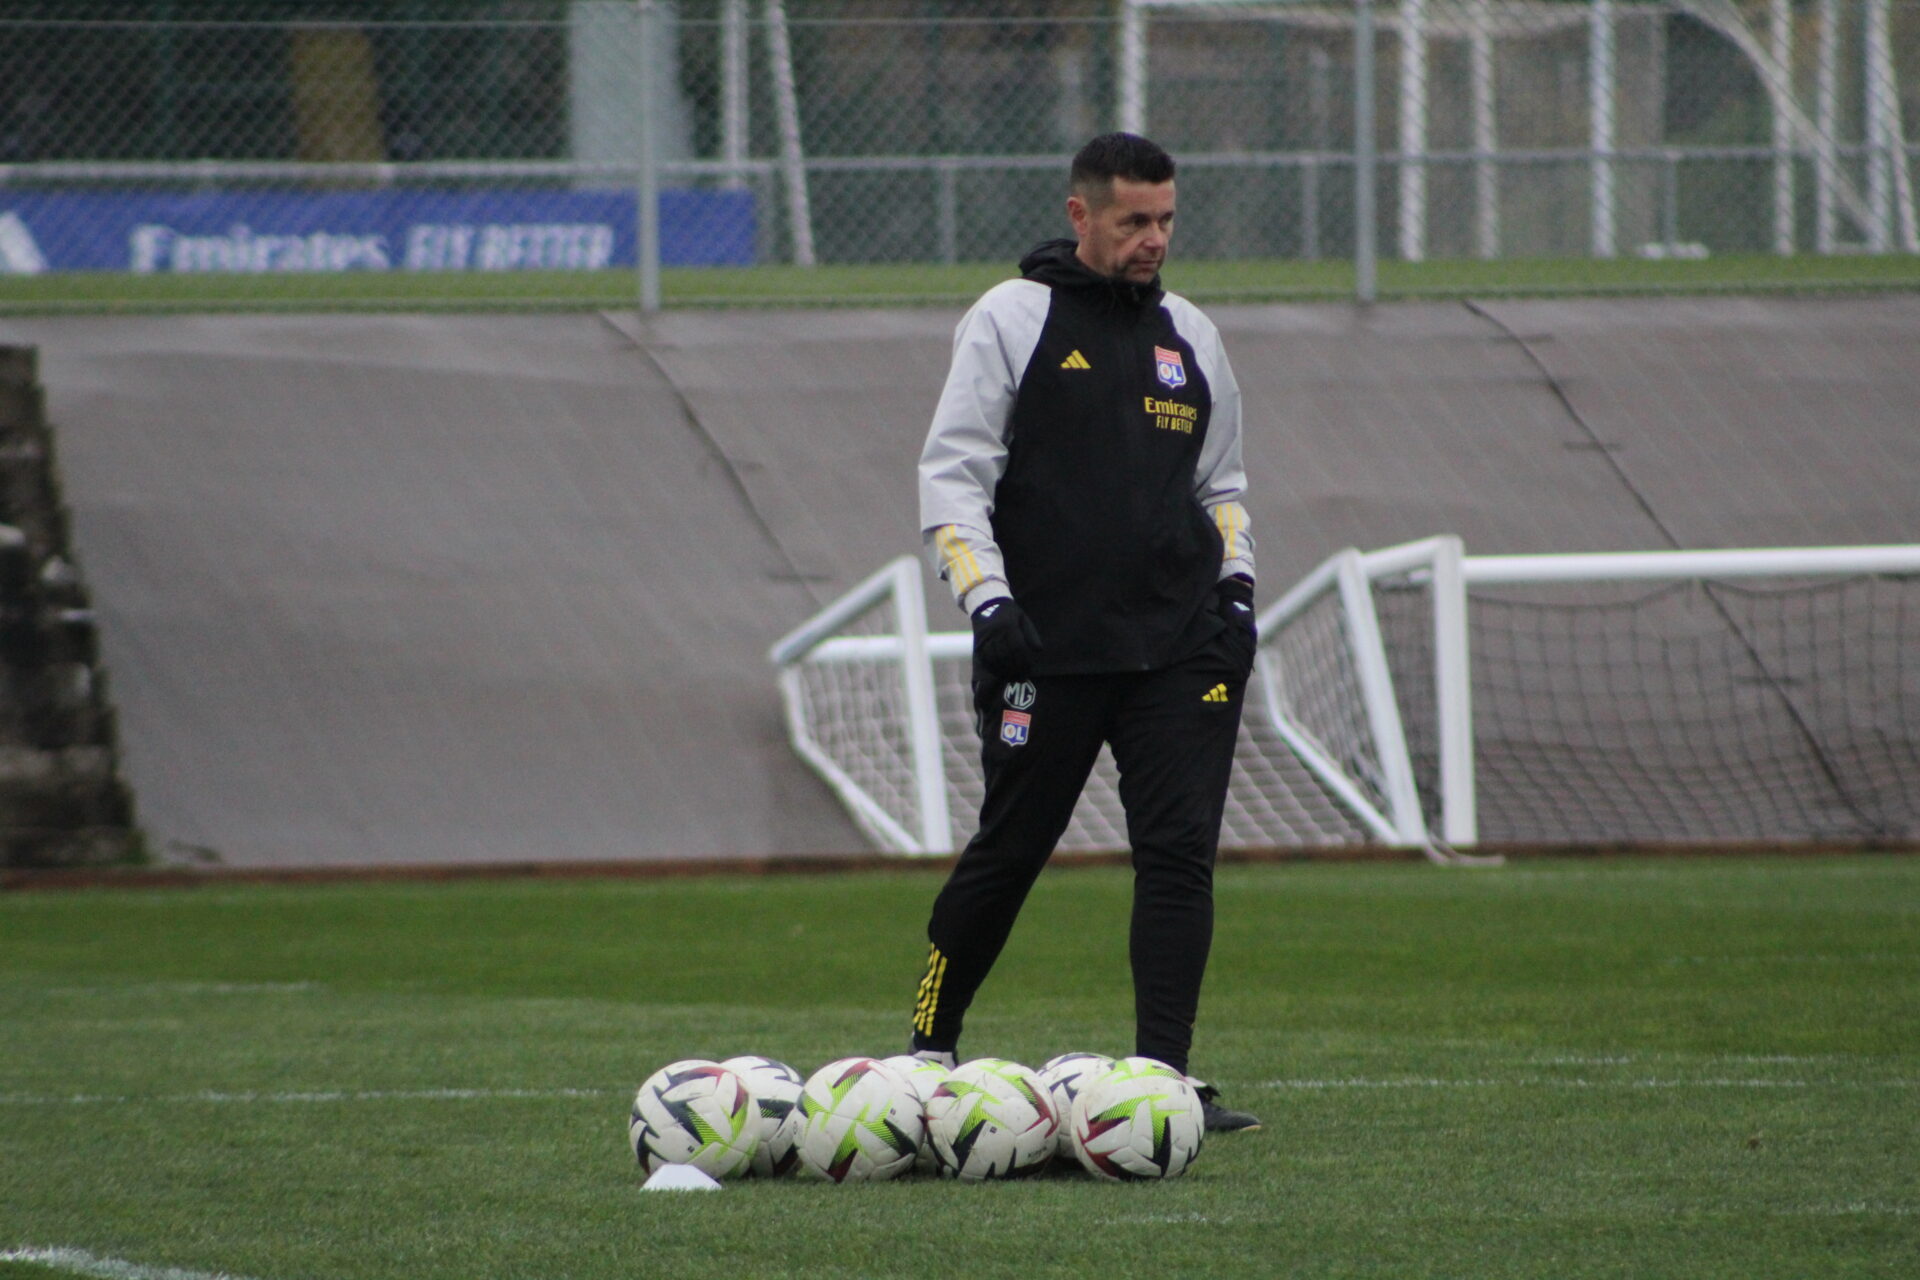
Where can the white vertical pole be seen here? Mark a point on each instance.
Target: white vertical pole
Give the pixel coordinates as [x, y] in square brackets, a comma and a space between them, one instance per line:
[733, 90]
[1883, 88]
[647, 185]
[1903, 189]
[1482, 90]
[1413, 130]
[1780, 32]
[923, 711]
[946, 203]
[1366, 246]
[1880, 101]
[786, 103]
[1319, 114]
[1376, 692]
[1453, 690]
[1826, 115]
[1600, 110]
[1133, 67]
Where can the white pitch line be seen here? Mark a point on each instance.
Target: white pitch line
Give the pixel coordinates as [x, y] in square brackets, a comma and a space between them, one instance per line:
[328, 1095]
[1579, 1082]
[188, 989]
[81, 1263]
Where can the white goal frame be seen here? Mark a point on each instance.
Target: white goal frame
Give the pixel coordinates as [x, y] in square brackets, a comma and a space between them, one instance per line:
[1395, 815]
[1355, 746]
[910, 653]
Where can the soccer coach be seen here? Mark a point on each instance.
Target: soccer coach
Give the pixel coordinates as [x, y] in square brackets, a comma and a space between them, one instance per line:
[1080, 491]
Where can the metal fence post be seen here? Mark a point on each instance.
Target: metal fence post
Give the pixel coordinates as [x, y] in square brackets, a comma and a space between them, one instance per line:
[647, 188]
[1889, 171]
[1600, 110]
[793, 163]
[1826, 112]
[1413, 130]
[1780, 47]
[1319, 112]
[1366, 248]
[1133, 68]
[946, 199]
[733, 91]
[1482, 87]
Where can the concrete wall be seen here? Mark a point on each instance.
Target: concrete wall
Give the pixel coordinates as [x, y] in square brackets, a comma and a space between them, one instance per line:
[499, 588]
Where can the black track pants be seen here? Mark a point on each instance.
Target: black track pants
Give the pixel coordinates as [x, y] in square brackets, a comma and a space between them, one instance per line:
[1172, 732]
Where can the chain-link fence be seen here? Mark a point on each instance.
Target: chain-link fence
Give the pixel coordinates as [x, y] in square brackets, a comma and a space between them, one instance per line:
[517, 151]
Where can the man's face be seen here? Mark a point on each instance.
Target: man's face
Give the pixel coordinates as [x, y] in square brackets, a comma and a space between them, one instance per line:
[1126, 234]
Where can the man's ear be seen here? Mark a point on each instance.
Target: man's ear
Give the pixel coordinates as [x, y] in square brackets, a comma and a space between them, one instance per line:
[1079, 215]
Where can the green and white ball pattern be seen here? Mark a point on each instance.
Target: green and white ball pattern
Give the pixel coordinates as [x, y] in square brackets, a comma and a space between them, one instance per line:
[695, 1112]
[1065, 1076]
[775, 1088]
[924, 1077]
[1138, 1120]
[991, 1118]
[859, 1122]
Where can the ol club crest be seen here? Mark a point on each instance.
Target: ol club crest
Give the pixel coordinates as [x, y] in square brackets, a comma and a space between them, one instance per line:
[1169, 368]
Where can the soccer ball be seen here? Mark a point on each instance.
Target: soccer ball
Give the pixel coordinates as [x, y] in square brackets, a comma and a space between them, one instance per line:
[859, 1122]
[1065, 1076]
[775, 1087]
[991, 1118]
[695, 1112]
[924, 1076]
[1139, 1119]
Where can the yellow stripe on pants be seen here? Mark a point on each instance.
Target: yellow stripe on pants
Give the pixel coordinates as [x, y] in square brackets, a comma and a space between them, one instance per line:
[928, 998]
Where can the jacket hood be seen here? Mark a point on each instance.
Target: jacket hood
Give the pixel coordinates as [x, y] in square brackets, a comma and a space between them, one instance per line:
[1056, 264]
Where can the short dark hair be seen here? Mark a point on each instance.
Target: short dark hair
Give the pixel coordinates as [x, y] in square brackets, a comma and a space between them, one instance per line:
[1117, 155]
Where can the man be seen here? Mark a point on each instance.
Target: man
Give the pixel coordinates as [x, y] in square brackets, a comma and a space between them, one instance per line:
[1080, 491]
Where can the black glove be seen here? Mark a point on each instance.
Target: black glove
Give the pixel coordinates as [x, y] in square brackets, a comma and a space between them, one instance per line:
[1233, 602]
[1005, 641]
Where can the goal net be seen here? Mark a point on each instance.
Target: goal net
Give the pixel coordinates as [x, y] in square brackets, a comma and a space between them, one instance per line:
[855, 715]
[1422, 698]
[1723, 708]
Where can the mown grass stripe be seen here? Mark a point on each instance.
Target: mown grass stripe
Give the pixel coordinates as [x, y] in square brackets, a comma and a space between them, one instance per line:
[319, 1095]
[81, 1263]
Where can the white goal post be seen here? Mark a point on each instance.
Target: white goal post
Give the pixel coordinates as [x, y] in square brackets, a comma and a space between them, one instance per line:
[1645, 697]
[860, 708]
[1418, 697]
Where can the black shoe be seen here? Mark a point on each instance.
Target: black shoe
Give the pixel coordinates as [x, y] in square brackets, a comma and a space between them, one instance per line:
[1221, 1119]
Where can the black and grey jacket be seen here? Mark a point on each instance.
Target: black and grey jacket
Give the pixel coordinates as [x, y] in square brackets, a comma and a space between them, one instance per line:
[1085, 459]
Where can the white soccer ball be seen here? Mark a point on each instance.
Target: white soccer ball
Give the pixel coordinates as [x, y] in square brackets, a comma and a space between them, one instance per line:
[695, 1112]
[924, 1077]
[1139, 1119]
[859, 1122]
[991, 1118]
[1065, 1076]
[775, 1088]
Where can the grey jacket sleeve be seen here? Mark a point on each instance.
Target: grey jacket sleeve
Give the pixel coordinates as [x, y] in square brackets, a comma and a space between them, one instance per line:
[1220, 479]
[966, 449]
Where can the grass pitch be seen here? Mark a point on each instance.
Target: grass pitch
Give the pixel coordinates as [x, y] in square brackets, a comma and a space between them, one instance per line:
[1692, 1067]
[925, 284]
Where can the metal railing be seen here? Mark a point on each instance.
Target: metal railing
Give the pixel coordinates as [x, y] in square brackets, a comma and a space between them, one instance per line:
[723, 132]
